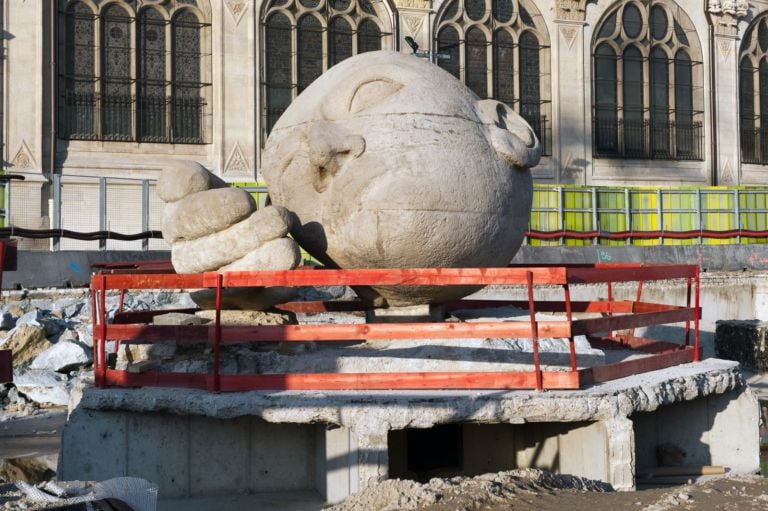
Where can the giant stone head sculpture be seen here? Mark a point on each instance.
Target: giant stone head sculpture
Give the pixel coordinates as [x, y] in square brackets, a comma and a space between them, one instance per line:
[390, 162]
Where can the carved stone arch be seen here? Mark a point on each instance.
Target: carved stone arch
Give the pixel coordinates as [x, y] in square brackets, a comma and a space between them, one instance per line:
[107, 4]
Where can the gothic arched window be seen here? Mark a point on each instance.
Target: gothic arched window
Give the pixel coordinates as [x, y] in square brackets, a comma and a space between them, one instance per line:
[145, 81]
[647, 88]
[500, 50]
[753, 93]
[303, 38]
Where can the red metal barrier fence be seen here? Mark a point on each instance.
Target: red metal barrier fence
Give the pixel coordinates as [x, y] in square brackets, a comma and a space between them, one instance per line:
[609, 316]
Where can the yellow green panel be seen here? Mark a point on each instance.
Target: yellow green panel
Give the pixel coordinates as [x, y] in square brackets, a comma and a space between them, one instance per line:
[684, 208]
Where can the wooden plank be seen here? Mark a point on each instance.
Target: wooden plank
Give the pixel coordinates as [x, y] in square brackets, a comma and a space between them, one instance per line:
[622, 369]
[628, 274]
[154, 333]
[394, 331]
[347, 381]
[115, 378]
[318, 306]
[637, 343]
[133, 317]
[337, 332]
[151, 281]
[390, 277]
[626, 322]
[398, 381]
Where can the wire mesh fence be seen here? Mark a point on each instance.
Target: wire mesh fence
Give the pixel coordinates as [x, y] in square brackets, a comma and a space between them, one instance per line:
[66, 212]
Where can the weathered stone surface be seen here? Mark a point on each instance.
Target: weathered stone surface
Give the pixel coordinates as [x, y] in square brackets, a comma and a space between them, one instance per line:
[745, 341]
[177, 318]
[63, 357]
[236, 242]
[43, 386]
[185, 177]
[26, 342]
[138, 352]
[204, 213]
[255, 298]
[279, 254]
[390, 162]
[379, 411]
[248, 317]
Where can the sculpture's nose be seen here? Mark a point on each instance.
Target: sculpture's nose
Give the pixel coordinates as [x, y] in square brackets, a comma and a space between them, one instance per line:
[330, 148]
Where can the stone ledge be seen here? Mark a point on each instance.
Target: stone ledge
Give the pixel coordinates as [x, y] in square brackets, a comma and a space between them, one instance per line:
[384, 410]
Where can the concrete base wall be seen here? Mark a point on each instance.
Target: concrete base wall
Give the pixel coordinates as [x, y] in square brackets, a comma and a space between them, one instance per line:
[193, 455]
[716, 430]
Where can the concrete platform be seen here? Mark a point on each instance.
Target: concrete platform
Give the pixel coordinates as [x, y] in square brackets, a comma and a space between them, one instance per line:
[197, 444]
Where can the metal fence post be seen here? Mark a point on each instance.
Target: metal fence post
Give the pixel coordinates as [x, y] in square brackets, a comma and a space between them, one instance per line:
[56, 211]
[145, 212]
[103, 223]
[627, 214]
[561, 213]
[596, 239]
[660, 212]
[698, 212]
[737, 208]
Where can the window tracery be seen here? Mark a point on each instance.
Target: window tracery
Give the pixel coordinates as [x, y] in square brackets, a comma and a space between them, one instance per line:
[753, 93]
[303, 38]
[647, 85]
[145, 79]
[500, 50]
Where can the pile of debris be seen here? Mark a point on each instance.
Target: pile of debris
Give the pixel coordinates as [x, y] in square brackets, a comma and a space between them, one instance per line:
[480, 492]
[51, 336]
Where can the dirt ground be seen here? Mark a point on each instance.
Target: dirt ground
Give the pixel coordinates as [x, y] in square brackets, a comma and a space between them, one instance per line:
[529, 490]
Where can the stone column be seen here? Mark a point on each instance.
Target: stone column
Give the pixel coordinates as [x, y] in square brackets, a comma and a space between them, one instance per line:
[726, 169]
[620, 436]
[25, 87]
[571, 94]
[235, 81]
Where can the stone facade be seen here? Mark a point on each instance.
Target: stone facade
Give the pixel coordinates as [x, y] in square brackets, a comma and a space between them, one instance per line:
[233, 49]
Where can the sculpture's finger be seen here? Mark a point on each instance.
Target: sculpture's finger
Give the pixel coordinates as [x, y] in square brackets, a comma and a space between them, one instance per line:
[181, 178]
[213, 251]
[279, 254]
[204, 213]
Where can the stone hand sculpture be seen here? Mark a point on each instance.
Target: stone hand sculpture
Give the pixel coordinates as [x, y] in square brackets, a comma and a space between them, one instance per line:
[390, 162]
[211, 226]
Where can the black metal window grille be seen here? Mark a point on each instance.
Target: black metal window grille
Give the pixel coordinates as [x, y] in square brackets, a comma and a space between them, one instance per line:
[295, 34]
[514, 35]
[134, 86]
[646, 92]
[753, 93]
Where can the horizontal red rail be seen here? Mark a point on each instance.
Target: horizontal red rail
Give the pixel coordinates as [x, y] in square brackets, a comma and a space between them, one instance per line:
[338, 332]
[350, 381]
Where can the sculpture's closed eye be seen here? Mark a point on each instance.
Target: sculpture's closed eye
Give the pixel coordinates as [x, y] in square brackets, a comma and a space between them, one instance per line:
[372, 93]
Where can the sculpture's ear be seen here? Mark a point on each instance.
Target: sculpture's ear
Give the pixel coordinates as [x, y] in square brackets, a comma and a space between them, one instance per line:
[511, 137]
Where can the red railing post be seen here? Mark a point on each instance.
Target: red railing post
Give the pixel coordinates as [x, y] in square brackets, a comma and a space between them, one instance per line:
[610, 302]
[534, 333]
[2, 263]
[102, 347]
[569, 317]
[639, 296]
[217, 336]
[688, 306]
[696, 355]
